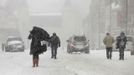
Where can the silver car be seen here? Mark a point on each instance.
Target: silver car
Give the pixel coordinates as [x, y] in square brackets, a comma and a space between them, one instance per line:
[13, 44]
[78, 44]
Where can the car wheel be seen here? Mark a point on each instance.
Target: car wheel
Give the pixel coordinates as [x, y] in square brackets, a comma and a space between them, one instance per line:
[87, 51]
[69, 51]
[3, 47]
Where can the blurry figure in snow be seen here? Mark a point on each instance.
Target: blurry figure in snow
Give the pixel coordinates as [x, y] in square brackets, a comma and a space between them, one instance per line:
[55, 43]
[108, 41]
[121, 45]
[37, 35]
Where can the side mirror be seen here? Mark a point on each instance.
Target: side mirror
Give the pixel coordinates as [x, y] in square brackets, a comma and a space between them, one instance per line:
[67, 40]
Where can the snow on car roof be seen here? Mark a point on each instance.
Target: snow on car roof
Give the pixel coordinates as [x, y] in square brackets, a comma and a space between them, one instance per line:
[14, 42]
[14, 37]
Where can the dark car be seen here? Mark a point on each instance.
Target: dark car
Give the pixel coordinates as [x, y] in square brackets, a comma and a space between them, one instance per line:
[78, 44]
[13, 44]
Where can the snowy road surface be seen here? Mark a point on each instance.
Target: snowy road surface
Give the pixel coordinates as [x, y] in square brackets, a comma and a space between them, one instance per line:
[95, 63]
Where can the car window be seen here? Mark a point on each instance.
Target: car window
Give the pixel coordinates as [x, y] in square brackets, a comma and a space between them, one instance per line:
[12, 39]
[129, 39]
[80, 38]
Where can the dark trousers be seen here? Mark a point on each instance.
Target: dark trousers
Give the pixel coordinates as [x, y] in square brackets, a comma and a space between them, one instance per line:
[121, 53]
[109, 52]
[54, 52]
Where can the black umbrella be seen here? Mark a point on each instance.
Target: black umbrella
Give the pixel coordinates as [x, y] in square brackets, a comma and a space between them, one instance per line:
[41, 34]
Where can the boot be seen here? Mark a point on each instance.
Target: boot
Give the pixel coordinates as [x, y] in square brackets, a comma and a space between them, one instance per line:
[55, 57]
[37, 63]
[51, 57]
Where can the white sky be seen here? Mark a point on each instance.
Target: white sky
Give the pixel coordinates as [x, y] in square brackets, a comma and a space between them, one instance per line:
[45, 6]
[3, 2]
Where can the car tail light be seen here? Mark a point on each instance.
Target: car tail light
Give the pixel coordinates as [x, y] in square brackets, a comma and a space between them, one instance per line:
[72, 44]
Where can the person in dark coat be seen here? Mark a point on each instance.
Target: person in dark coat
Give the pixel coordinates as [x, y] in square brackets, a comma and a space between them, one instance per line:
[121, 45]
[55, 43]
[36, 48]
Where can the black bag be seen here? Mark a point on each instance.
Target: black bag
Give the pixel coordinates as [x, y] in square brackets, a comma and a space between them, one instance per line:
[43, 48]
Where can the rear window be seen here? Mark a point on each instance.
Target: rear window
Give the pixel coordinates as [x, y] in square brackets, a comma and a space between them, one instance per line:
[80, 38]
[13, 39]
[129, 39]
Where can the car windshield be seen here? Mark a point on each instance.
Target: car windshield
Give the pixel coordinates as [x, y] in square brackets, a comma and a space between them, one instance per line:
[80, 38]
[14, 39]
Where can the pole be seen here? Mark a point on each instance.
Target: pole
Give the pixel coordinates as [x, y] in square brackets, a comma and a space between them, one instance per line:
[110, 16]
[126, 16]
[99, 20]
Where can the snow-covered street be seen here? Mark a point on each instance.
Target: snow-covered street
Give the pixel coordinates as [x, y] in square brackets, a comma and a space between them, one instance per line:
[71, 26]
[95, 63]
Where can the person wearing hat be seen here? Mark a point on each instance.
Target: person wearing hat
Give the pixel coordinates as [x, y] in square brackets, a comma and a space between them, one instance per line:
[108, 41]
[121, 44]
[54, 43]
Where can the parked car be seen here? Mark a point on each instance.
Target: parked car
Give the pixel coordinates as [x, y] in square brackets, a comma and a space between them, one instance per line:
[13, 44]
[78, 44]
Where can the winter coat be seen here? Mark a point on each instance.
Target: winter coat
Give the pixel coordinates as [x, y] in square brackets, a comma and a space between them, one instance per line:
[36, 37]
[108, 41]
[121, 41]
[35, 44]
[55, 41]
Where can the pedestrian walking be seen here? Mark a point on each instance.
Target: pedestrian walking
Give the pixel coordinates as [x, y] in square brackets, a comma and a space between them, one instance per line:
[36, 48]
[108, 41]
[121, 44]
[54, 43]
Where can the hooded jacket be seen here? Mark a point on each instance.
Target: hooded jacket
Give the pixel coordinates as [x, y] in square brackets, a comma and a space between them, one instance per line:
[108, 41]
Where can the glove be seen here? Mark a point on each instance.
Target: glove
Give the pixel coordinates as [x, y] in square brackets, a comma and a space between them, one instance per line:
[59, 45]
[117, 47]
